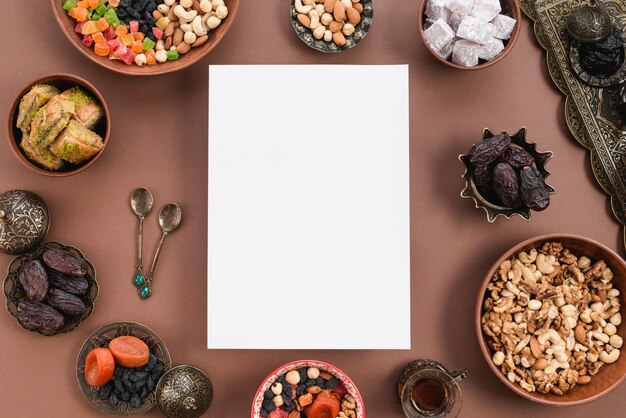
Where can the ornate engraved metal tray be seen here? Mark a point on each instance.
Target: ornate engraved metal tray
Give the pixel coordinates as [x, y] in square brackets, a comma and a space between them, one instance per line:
[590, 112]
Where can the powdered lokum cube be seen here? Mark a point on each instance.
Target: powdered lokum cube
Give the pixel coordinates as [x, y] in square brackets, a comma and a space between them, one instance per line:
[504, 26]
[475, 30]
[486, 9]
[491, 49]
[462, 7]
[465, 53]
[438, 35]
[446, 51]
[454, 21]
[436, 9]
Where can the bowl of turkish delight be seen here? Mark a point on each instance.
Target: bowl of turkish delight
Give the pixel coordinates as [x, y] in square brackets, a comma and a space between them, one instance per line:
[469, 34]
[307, 389]
[58, 125]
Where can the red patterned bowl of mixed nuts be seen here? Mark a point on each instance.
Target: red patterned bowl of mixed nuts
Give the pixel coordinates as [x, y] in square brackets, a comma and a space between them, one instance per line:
[307, 389]
[549, 319]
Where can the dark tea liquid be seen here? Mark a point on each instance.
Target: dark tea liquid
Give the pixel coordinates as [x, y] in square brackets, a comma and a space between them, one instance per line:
[429, 395]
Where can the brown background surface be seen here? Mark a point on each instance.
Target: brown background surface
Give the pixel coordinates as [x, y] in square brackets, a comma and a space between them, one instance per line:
[159, 140]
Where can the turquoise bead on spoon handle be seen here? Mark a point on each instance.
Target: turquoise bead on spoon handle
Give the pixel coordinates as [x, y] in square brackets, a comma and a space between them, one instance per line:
[169, 219]
[141, 203]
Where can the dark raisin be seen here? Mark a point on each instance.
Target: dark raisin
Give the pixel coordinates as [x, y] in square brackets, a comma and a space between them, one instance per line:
[320, 382]
[287, 390]
[150, 383]
[490, 149]
[269, 394]
[269, 405]
[310, 382]
[302, 373]
[332, 383]
[534, 192]
[506, 184]
[138, 376]
[287, 404]
[264, 413]
[301, 390]
[119, 386]
[135, 401]
[105, 392]
[126, 396]
[114, 400]
[144, 392]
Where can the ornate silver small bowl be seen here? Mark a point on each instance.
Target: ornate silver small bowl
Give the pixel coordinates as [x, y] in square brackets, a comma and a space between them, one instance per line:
[184, 392]
[361, 30]
[494, 210]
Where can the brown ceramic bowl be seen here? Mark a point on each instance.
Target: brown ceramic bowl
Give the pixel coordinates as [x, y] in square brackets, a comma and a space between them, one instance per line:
[62, 82]
[67, 24]
[610, 376]
[509, 7]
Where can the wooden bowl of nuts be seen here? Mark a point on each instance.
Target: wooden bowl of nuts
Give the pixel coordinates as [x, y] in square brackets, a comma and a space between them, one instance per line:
[469, 35]
[332, 26]
[312, 387]
[549, 319]
[152, 37]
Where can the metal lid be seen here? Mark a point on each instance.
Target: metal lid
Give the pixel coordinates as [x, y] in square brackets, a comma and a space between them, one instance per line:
[184, 392]
[589, 23]
[24, 221]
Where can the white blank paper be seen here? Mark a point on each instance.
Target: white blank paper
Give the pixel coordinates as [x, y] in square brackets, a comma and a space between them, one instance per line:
[308, 212]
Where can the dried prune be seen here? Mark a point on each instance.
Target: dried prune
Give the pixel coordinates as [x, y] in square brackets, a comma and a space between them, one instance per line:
[66, 263]
[65, 302]
[34, 280]
[37, 316]
[490, 149]
[506, 184]
[516, 157]
[533, 189]
[74, 285]
[482, 176]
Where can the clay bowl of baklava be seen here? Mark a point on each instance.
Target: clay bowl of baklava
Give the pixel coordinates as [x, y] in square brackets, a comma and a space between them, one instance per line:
[59, 125]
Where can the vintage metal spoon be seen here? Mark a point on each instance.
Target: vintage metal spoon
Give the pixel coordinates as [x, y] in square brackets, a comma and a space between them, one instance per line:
[589, 23]
[169, 219]
[141, 202]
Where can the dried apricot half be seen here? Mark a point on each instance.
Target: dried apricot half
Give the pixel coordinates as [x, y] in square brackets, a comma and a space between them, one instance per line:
[99, 366]
[129, 351]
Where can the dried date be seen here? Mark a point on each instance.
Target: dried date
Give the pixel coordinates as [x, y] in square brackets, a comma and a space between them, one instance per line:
[37, 316]
[75, 285]
[506, 184]
[489, 149]
[482, 176]
[516, 157]
[66, 263]
[533, 189]
[65, 302]
[34, 280]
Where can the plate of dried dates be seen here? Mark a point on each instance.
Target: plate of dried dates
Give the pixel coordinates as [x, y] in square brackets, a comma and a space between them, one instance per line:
[51, 289]
[119, 366]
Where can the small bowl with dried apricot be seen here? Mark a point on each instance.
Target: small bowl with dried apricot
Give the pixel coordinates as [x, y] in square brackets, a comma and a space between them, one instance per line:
[307, 389]
[119, 366]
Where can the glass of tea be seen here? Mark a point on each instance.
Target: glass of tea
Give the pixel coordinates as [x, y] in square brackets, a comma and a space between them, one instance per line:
[428, 390]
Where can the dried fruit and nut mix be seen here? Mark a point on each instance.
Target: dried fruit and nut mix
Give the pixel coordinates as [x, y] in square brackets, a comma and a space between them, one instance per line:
[55, 290]
[145, 32]
[308, 393]
[331, 20]
[467, 32]
[57, 128]
[551, 317]
[125, 371]
[505, 174]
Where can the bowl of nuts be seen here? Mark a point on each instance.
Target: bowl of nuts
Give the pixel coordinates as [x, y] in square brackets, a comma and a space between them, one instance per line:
[549, 319]
[469, 34]
[332, 25]
[145, 37]
[307, 389]
[506, 175]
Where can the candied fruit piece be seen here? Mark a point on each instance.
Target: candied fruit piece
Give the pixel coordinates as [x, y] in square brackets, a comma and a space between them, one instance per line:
[102, 49]
[79, 27]
[87, 40]
[114, 3]
[121, 50]
[83, 3]
[148, 44]
[151, 57]
[137, 47]
[128, 39]
[98, 37]
[93, 3]
[113, 44]
[79, 13]
[129, 57]
[90, 27]
[139, 36]
[121, 30]
[109, 33]
[69, 5]
[102, 23]
[134, 26]
[158, 33]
